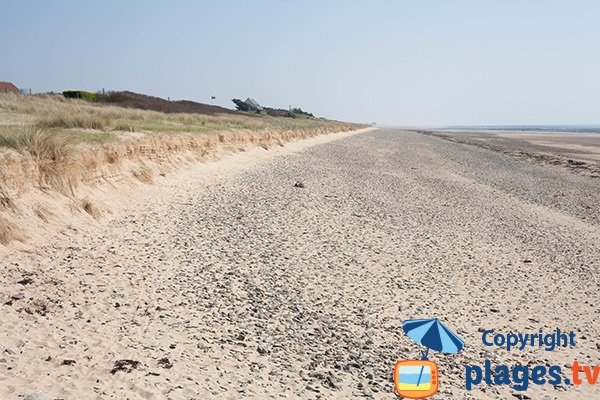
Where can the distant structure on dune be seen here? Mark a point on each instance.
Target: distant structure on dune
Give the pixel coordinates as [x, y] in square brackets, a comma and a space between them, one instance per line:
[253, 104]
[249, 105]
[8, 87]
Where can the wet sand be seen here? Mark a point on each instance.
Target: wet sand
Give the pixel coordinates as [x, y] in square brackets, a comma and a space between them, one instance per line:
[230, 281]
[577, 151]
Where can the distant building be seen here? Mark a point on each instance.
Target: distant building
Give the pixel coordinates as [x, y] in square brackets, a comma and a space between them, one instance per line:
[8, 87]
[253, 104]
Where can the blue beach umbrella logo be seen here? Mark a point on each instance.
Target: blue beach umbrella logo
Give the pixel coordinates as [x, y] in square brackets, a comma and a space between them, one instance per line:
[432, 334]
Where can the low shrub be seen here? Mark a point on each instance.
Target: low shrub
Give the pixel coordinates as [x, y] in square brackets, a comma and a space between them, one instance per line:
[80, 94]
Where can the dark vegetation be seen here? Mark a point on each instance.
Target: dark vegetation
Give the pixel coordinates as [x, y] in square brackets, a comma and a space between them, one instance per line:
[80, 94]
[291, 113]
[135, 100]
[241, 105]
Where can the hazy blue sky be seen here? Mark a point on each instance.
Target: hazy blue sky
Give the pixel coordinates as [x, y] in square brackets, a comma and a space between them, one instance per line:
[395, 62]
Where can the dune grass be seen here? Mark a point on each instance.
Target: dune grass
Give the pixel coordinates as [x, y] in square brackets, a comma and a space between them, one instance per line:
[55, 132]
[28, 122]
[56, 112]
[39, 143]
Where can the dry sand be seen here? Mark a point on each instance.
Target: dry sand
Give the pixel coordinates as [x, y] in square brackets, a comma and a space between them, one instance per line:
[227, 281]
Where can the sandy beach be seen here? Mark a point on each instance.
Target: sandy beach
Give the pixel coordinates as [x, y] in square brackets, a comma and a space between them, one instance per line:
[287, 273]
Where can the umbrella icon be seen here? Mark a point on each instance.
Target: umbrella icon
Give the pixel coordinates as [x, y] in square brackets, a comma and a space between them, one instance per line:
[434, 335]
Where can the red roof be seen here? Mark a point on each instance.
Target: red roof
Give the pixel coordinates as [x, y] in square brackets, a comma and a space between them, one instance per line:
[8, 87]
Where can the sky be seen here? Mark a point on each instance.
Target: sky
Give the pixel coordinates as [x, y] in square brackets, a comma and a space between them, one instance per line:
[404, 63]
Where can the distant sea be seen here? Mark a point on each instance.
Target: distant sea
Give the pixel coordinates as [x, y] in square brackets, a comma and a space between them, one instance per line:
[532, 128]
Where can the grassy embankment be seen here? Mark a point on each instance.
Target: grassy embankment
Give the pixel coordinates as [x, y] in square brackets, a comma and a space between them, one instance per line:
[50, 143]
